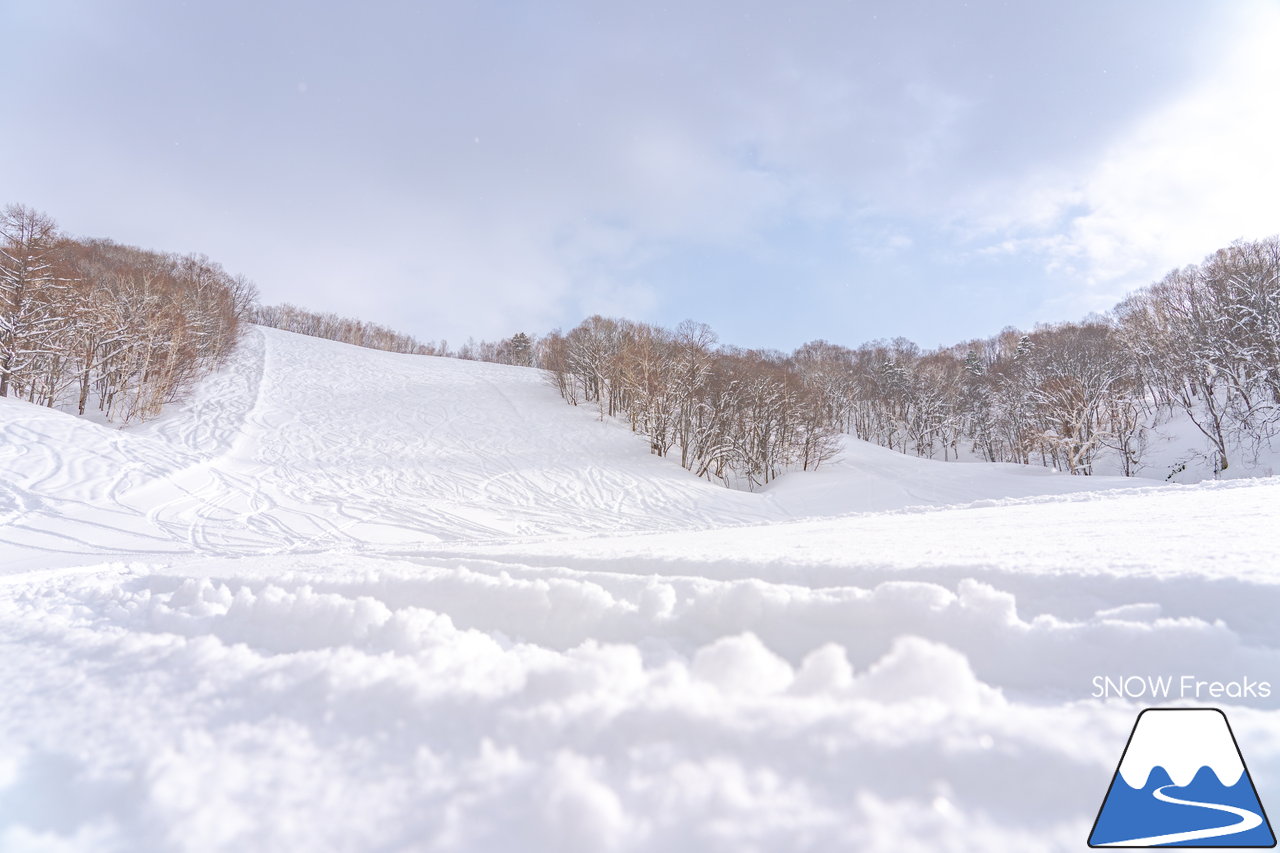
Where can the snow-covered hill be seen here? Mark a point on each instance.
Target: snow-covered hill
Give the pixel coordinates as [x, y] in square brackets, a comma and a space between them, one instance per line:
[348, 600]
[306, 444]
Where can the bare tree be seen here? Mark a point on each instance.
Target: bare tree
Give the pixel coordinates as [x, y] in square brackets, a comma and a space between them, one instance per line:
[30, 293]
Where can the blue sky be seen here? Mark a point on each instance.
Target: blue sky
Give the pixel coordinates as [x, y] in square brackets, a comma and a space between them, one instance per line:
[783, 172]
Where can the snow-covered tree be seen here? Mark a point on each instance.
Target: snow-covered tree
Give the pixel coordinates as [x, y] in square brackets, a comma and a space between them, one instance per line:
[32, 309]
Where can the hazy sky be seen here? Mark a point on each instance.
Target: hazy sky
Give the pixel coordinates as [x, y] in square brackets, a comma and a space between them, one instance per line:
[782, 171]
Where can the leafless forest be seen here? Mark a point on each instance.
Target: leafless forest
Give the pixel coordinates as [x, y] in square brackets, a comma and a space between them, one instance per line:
[359, 333]
[517, 349]
[90, 324]
[1204, 341]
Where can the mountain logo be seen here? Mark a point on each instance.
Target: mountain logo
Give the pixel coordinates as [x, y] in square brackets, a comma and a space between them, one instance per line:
[1182, 782]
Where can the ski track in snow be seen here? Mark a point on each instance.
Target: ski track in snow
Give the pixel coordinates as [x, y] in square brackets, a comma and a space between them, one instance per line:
[349, 600]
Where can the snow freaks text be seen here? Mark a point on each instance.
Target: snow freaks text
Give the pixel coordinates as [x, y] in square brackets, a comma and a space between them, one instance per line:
[1177, 687]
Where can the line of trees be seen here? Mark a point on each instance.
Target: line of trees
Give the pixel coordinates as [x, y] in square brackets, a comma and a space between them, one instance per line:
[1057, 396]
[741, 417]
[91, 323]
[1203, 342]
[519, 349]
[346, 330]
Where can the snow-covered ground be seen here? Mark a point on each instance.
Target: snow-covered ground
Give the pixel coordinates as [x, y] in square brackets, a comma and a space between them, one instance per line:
[349, 600]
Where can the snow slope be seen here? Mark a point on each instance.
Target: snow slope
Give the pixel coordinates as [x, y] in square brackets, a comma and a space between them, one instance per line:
[307, 444]
[349, 600]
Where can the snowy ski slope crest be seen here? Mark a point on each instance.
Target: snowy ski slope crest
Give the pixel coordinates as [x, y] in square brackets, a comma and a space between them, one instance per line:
[347, 600]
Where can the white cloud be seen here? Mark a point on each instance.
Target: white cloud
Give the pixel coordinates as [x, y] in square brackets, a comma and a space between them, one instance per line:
[1185, 179]
[520, 171]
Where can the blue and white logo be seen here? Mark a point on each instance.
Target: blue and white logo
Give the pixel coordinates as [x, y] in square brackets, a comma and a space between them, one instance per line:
[1182, 782]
